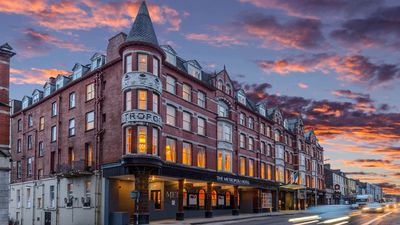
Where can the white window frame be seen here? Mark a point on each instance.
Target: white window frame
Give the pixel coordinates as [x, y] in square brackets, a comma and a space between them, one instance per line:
[142, 63]
[186, 121]
[187, 92]
[201, 126]
[171, 115]
[171, 85]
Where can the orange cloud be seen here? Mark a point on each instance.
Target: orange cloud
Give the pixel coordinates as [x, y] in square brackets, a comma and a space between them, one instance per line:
[89, 14]
[34, 75]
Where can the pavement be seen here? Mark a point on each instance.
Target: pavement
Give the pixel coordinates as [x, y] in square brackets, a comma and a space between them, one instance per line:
[321, 215]
[226, 219]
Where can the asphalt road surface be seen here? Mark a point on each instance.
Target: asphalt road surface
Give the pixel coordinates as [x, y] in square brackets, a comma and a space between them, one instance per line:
[328, 215]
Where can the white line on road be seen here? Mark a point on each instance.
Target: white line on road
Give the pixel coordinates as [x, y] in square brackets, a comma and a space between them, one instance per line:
[377, 218]
[344, 222]
[313, 221]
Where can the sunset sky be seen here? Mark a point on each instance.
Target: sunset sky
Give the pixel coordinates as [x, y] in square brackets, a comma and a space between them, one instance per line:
[334, 62]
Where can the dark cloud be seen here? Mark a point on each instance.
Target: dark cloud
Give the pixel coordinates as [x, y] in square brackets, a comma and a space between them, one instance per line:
[348, 94]
[319, 8]
[353, 68]
[379, 29]
[298, 33]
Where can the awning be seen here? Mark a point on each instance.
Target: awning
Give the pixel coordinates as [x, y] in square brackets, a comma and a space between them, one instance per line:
[293, 187]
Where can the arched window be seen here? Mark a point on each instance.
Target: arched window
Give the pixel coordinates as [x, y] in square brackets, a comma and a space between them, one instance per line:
[185, 197]
[214, 198]
[227, 198]
[220, 83]
[202, 197]
[223, 109]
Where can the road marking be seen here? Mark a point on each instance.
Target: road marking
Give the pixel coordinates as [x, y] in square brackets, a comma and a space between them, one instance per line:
[344, 222]
[377, 218]
[313, 221]
[336, 219]
[304, 219]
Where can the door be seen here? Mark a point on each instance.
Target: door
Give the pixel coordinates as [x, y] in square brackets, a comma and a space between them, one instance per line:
[47, 218]
[156, 198]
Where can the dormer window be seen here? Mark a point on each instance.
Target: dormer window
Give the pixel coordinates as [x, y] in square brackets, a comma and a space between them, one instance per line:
[77, 73]
[97, 61]
[242, 98]
[37, 95]
[220, 83]
[170, 53]
[59, 83]
[193, 71]
[48, 88]
[26, 101]
[261, 110]
[171, 58]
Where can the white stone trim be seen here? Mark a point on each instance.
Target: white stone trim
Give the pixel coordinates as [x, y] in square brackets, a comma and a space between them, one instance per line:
[4, 112]
[3, 88]
[4, 62]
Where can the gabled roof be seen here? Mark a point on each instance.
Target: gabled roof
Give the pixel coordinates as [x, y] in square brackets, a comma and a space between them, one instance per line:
[142, 29]
[169, 48]
[96, 55]
[26, 96]
[77, 65]
[36, 90]
[195, 63]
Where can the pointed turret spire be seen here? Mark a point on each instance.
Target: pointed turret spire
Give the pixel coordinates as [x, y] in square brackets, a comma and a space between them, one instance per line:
[142, 29]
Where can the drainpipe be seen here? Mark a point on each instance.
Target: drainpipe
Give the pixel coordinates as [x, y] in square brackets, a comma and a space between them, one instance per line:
[57, 201]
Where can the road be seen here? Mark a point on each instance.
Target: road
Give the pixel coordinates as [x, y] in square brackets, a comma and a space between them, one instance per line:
[328, 215]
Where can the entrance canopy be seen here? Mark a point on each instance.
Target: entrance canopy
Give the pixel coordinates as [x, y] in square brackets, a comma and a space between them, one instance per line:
[293, 187]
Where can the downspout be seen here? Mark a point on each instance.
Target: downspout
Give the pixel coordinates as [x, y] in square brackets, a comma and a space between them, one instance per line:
[57, 201]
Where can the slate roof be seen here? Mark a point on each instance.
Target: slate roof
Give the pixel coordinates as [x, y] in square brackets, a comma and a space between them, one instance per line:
[142, 29]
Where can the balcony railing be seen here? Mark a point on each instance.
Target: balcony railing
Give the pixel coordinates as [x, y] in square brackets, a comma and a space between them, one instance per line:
[76, 168]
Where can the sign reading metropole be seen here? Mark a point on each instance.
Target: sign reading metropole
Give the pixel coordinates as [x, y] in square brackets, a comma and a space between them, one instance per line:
[141, 80]
[232, 180]
[141, 117]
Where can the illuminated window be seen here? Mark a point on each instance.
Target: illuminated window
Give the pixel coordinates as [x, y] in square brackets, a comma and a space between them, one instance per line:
[202, 198]
[187, 154]
[201, 123]
[171, 115]
[155, 103]
[142, 99]
[155, 66]
[186, 121]
[201, 157]
[243, 166]
[88, 154]
[154, 150]
[71, 156]
[41, 123]
[170, 150]
[262, 171]
[142, 139]
[186, 92]
[142, 62]
[251, 167]
[269, 172]
[227, 198]
[128, 63]
[185, 197]
[214, 198]
[128, 100]
[224, 161]
[89, 121]
[128, 140]
[90, 92]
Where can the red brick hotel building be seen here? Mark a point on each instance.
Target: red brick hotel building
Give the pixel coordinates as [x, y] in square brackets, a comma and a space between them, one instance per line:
[142, 121]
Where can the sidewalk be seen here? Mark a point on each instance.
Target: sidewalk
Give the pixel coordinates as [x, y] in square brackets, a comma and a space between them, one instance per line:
[225, 218]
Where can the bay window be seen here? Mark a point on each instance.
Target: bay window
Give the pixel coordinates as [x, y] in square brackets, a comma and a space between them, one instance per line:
[224, 161]
[128, 140]
[142, 139]
[155, 103]
[154, 150]
[224, 131]
[142, 99]
[128, 100]
[155, 66]
[170, 150]
[187, 154]
[142, 62]
[128, 63]
[223, 109]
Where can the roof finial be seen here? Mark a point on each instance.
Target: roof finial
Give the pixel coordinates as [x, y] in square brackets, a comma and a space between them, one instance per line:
[142, 29]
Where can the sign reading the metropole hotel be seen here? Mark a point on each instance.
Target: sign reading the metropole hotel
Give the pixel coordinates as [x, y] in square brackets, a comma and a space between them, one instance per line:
[139, 116]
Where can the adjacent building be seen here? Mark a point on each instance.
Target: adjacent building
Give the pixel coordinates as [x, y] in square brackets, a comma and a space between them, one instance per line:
[6, 52]
[142, 131]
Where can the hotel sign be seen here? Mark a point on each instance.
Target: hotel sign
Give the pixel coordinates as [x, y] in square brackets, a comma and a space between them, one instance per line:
[141, 80]
[139, 116]
[232, 180]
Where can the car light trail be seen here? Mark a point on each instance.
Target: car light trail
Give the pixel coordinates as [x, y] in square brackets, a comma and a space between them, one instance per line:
[304, 219]
[336, 220]
[312, 221]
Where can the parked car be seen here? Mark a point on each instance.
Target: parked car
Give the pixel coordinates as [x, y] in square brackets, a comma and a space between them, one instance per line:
[374, 207]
